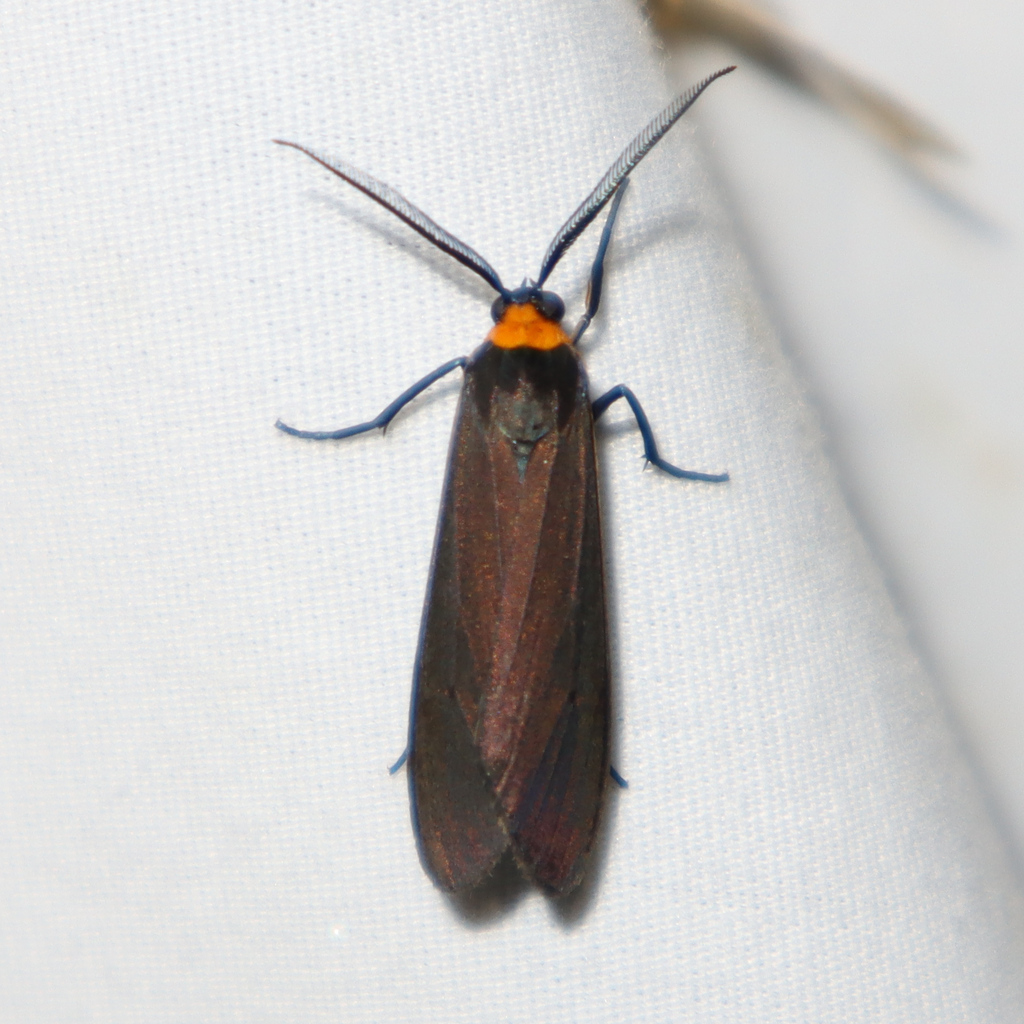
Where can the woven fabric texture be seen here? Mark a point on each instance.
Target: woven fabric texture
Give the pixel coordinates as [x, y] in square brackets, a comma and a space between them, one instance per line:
[208, 627]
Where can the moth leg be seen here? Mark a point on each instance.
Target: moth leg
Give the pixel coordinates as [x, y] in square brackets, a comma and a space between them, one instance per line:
[650, 448]
[597, 270]
[617, 778]
[398, 764]
[385, 417]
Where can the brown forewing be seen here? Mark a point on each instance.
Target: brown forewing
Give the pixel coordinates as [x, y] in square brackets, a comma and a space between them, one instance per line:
[509, 738]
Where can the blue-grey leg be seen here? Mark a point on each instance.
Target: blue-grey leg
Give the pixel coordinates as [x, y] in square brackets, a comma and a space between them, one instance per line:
[597, 270]
[385, 417]
[650, 448]
[398, 764]
[617, 778]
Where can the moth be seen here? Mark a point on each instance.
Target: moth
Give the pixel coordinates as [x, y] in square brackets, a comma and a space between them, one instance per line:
[509, 726]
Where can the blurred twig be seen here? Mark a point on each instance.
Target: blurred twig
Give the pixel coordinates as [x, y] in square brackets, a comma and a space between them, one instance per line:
[765, 39]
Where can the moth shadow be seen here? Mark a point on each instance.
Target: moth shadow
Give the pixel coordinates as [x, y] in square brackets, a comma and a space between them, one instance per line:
[495, 897]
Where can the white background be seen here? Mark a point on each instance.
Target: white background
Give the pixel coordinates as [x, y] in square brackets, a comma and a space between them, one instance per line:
[903, 309]
[208, 627]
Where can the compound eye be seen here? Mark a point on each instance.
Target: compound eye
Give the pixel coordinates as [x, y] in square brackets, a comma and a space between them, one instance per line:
[550, 306]
[498, 307]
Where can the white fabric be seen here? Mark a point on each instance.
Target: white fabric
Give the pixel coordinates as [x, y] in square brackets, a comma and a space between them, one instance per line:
[208, 627]
[901, 302]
